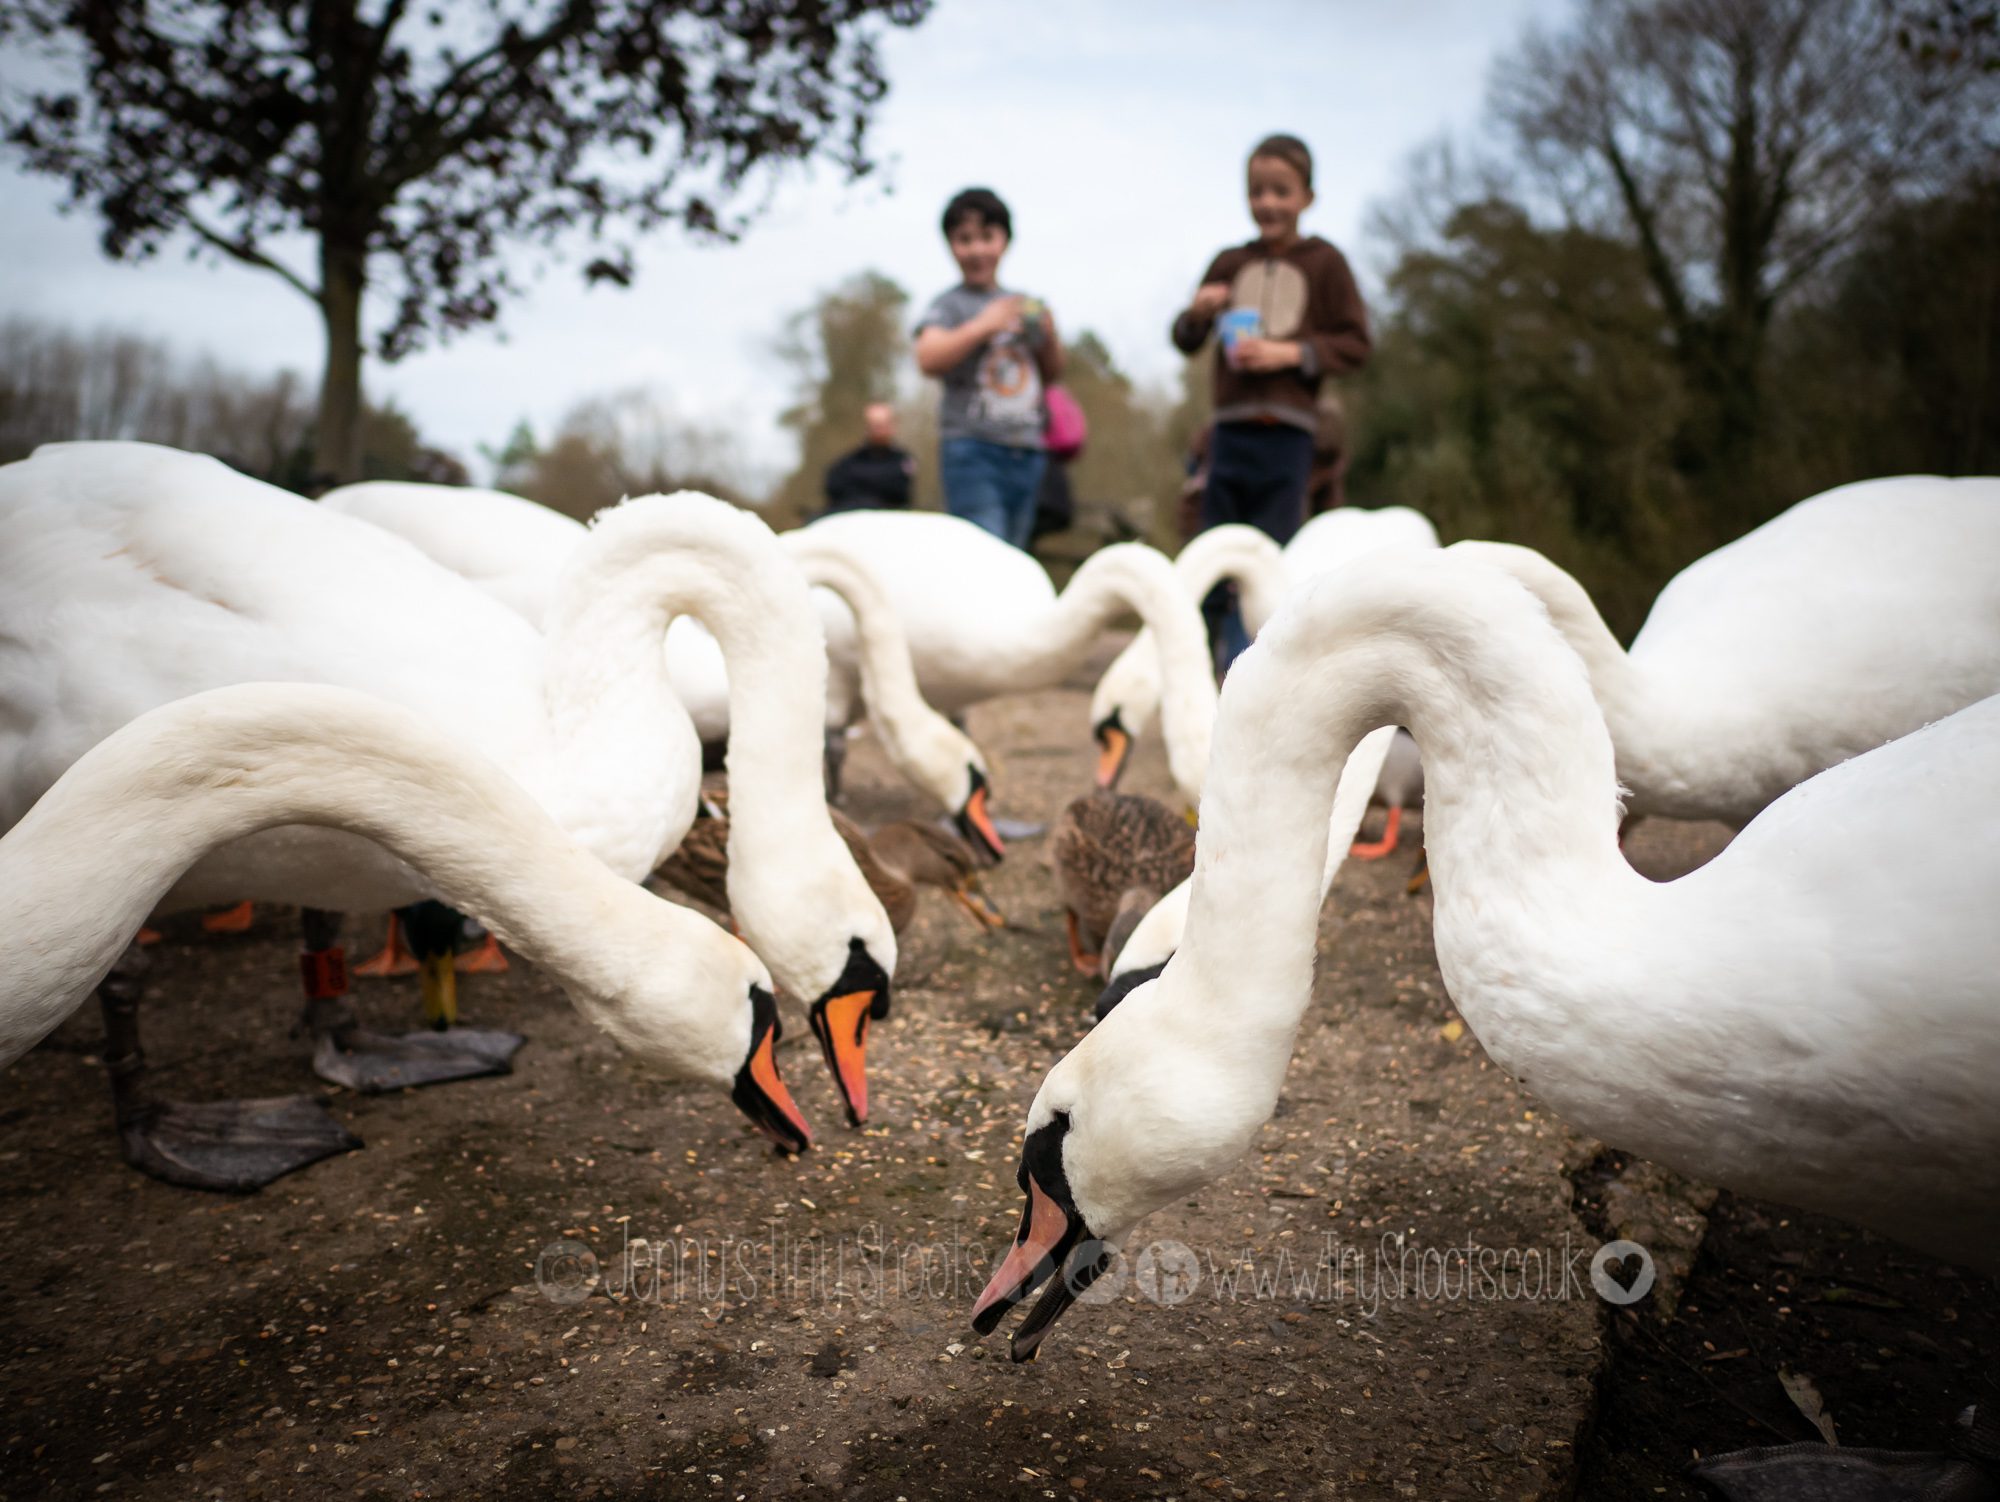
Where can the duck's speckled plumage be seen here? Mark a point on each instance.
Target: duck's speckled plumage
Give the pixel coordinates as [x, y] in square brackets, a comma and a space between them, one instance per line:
[895, 860]
[1105, 845]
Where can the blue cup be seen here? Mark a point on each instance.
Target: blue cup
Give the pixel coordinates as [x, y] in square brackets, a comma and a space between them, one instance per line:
[1238, 323]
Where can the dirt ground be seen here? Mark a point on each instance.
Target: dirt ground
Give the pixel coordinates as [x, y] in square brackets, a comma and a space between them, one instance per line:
[421, 1318]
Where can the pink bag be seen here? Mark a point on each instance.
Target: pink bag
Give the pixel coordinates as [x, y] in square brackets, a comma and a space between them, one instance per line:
[1065, 432]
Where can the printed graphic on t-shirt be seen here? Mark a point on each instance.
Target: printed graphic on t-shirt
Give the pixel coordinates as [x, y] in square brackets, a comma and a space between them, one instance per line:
[1278, 290]
[1009, 393]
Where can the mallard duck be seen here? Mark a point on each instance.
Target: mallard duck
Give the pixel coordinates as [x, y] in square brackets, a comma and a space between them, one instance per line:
[895, 860]
[1105, 847]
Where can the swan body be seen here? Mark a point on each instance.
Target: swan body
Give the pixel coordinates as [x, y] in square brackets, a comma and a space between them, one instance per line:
[1128, 695]
[1810, 1017]
[132, 574]
[1857, 616]
[984, 620]
[514, 549]
[105, 845]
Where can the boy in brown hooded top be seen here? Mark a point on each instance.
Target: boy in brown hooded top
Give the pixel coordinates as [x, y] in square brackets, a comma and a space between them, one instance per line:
[1291, 317]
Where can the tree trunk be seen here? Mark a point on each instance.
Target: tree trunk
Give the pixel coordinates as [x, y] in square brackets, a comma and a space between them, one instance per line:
[337, 451]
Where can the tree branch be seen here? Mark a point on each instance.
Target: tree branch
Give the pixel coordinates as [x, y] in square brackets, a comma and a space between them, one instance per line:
[250, 255]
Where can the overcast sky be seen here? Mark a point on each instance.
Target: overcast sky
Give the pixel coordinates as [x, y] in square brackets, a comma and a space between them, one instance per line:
[1115, 129]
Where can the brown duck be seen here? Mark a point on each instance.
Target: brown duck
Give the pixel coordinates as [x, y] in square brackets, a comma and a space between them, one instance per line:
[1114, 853]
[895, 860]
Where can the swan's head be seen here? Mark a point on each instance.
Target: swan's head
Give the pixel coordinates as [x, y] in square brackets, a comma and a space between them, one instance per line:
[692, 1001]
[1122, 707]
[1135, 1117]
[758, 1089]
[840, 1016]
[1114, 746]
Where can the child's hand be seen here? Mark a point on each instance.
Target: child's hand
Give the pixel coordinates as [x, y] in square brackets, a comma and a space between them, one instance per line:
[1211, 299]
[1265, 354]
[1002, 315]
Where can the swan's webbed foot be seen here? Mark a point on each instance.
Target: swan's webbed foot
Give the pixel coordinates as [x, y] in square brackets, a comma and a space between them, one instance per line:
[394, 957]
[230, 920]
[375, 1063]
[1018, 829]
[232, 1146]
[1374, 850]
[487, 959]
[1822, 1473]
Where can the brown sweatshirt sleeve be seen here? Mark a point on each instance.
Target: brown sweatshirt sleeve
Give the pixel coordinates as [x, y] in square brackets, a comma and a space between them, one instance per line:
[1190, 329]
[1339, 341]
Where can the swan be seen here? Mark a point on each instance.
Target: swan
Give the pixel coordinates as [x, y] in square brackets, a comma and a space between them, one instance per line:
[1810, 1017]
[1855, 617]
[514, 548]
[1122, 706]
[1128, 695]
[132, 574]
[984, 620]
[108, 843]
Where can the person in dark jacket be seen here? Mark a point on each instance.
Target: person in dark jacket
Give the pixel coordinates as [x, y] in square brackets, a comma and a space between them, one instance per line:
[875, 476]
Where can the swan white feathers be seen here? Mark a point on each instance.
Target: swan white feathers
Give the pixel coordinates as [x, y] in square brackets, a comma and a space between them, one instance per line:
[135, 574]
[1810, 1017]
[82, 868]
[1855, 617]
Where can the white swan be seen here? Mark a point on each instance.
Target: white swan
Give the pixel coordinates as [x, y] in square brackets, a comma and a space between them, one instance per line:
[1809, 1017]
[514, 549]
[132, 574]
[984, 620]
[1128, 695]
[1122, 706]
[107, 844]
[1853, 618]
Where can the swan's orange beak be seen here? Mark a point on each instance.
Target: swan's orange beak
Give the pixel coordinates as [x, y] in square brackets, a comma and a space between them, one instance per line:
[1044, 1236]
[1114, 745]
[976, 824]
[841, 1025]
[760, 1091]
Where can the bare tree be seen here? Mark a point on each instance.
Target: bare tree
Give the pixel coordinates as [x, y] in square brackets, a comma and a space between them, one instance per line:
[1741, 144]
[416, 144]
[609, 447]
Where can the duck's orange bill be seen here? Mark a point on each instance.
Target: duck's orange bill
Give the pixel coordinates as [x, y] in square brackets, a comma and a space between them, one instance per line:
[845, 1019]
[764, 1073]
[1113, 745]
[1038, 1244]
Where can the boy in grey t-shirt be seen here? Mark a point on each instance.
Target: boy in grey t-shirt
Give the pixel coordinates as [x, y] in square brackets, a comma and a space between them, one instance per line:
[994, 350]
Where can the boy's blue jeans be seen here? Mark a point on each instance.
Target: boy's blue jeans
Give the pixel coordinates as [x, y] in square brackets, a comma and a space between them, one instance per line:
[992, 485]
[1257, 473]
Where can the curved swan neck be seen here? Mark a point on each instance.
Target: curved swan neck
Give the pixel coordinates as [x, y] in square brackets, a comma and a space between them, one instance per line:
[925, 747]
[147, 802]
[1516, 759]
[1241, 553]
[1613, 679]
[791, 879]
[1131, 577]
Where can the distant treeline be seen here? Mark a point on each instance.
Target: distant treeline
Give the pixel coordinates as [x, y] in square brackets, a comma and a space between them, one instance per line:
[56, 384]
